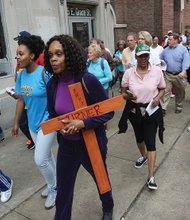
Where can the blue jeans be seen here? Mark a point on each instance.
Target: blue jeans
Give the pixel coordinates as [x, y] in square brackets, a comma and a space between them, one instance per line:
[44, 157]
[5, 182]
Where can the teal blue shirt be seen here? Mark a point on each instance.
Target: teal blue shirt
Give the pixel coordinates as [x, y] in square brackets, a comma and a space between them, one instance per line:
[104, 75]
[120, 65]
[32, 88]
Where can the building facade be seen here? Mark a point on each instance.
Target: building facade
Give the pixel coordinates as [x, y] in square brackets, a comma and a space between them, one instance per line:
[82, 19]
[155, 16]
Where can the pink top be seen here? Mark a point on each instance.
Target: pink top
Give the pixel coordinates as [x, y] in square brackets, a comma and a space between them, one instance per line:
[147, 88]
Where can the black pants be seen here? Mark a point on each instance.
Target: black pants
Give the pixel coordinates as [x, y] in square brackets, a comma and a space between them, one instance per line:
[120, 75]
[23, 124]
[72, 154]
[145, 130]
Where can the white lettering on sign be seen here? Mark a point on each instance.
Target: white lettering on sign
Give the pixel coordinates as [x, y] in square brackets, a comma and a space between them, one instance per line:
[85, 12]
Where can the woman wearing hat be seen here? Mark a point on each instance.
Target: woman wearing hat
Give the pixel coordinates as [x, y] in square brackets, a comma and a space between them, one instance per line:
[144, 37]
[143, 85]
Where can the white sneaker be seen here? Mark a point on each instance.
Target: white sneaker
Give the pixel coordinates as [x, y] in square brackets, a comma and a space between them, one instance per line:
[45, 193]
[5, 196]
[50, 201]
[172, 95]
[188, 129]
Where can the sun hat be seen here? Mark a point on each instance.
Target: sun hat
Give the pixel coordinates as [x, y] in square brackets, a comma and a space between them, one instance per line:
[142, 49]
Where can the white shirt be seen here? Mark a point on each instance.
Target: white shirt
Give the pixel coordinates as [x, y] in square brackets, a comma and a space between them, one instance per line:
[157, 49]
[154, 58]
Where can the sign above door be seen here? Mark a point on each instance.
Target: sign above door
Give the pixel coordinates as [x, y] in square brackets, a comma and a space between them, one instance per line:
[79, 11]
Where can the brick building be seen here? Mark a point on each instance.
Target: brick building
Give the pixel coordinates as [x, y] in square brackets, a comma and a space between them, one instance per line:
[185, 18]
[155, 16]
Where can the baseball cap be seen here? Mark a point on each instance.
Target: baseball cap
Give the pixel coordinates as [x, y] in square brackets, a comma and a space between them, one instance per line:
[22, 34]
[170, 32]
[142, 49]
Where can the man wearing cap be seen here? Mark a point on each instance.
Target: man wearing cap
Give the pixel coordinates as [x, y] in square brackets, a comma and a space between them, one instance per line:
[177, 59]
[144, 85]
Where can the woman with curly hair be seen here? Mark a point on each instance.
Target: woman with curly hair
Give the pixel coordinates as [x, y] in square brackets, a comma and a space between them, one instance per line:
[31, 90]
[65, 59]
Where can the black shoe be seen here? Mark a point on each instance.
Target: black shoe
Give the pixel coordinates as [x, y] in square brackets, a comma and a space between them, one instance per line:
[177, 111]
[121, 131]
[31, 146]
[107, 215]
[151, 183]
[140, 162]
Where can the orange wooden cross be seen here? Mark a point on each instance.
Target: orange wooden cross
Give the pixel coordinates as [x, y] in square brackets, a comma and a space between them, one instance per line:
[83, 111]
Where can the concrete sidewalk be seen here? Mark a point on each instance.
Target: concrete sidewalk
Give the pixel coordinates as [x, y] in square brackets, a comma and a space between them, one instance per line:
[132, 198]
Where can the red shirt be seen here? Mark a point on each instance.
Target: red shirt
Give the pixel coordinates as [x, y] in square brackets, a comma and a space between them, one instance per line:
[40, 60]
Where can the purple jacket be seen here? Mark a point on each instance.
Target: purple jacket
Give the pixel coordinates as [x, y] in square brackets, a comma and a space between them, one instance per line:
[96, 94]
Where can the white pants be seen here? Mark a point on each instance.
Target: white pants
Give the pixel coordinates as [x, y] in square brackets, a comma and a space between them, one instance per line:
[44, 157]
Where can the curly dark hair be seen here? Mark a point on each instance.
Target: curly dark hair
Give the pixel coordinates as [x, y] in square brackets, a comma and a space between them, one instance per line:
[34, 43]
[74, 54]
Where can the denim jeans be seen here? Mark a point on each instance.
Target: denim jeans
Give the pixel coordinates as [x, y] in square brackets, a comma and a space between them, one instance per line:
[44, 157]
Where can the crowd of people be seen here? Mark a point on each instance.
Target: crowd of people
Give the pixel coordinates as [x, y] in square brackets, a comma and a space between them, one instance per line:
[147, 72]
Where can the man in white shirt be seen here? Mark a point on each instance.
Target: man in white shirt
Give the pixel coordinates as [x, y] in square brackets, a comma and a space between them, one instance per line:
[155, 46]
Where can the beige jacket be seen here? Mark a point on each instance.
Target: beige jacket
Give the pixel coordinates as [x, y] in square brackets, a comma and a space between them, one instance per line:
[128, 57]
